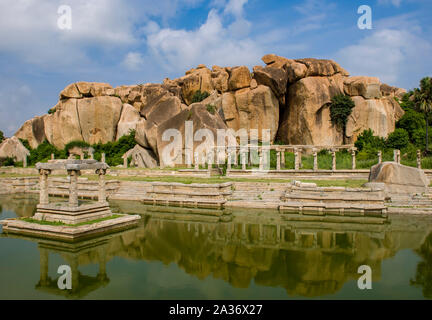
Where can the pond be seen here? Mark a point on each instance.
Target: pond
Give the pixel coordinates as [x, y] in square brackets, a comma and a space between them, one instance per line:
[257, 255]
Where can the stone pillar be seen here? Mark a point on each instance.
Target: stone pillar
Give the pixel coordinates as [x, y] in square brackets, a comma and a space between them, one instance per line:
[103, 157]
[419, 159]
[379, 156]
[243, 155]
[73, 188]
[210, 158]
[91, 152]
[283, 159]
[315, 159]
[43, 185]
[333, 153]
[296, 160]
[229, 161]
[125, 162]
[278, 159]
[396, 156]
[196, 161]
[25, 161]
[52, 156]
[102, 185]
[82, 156]
[300, 164]
[261, 160]
[353, 157]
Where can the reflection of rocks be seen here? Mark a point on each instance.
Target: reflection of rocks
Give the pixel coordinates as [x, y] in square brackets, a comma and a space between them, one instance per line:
[22, 205]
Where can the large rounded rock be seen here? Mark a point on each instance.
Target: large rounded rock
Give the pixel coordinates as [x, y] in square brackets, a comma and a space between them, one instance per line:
[275, 78]
[398, 178]
[367, 87]
[98, 118]
[194, 80]
[128, 120]
[13, 148]
[251, 109]
[33, 131]
[380, 115]
[220, 79]
[240, 78]
[307, 117]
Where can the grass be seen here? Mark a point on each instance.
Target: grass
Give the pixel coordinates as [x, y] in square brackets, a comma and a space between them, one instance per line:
[58, 223]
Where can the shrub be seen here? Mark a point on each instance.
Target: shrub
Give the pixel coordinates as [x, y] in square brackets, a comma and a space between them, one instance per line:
[73, 144]
[412, 121]
[6, 162]
[367, 140]
[43, 153]
[1, 136]
[199, 96]
[340, 109]
[398, 139]
[211, 108]
[52, 110]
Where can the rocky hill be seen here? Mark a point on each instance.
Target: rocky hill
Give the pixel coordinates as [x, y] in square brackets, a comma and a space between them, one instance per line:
[289, 97]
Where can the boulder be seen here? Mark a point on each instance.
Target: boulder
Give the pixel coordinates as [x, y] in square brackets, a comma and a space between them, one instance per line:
[275, 61]
[307, 118]
[141, 157]
[71, 91]
[128, 120]
[389, 91]
[63, 126]
[275, 78]
[33, 131]
[85, 89]
[98, 118]
[13, 148]
[240, 78]
[398, 178]
[251, 109]
[367, 87]
[201, 119]
[322, 67]
[380, 115]
[194, 80]
[220, 79]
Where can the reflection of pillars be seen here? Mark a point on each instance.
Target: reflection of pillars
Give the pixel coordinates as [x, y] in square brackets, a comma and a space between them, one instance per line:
[333, 154]
[75, 272]
[282, 234]
[102, 263]
[278, 159]
[102, 185]
[278, 232]
[353, 156]
[261, 232]
[315, 159]
[43, 181]
[243, 230]
[418, 159]
[44, 262]
[73, 188]
[196, 229]
[189, 227]
[296, 159]
[283, 159]
[379, 156]
[243, 155]
[315, 240]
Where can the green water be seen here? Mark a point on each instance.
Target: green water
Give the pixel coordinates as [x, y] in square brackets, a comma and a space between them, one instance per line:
[257, 255]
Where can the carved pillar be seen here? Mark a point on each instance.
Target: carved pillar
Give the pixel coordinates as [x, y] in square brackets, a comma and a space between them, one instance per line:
[73, 188]
[353, 157]
[315, 159]
[52, 156]
[300, 164]
[125, 162]
[296, 160]
[379, 156]
[196, 162]
[283, 159]
[419, 159]
[25, 161]
[243, 155]
[102, 185]
[333, 153]
[103, 157]
[43, 185]
[261, 160]
[278, 159]
[229, 161]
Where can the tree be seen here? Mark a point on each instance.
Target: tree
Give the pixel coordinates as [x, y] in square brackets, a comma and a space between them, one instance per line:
[423, 103]
[340, 109]
[1, 136]
[398, 139]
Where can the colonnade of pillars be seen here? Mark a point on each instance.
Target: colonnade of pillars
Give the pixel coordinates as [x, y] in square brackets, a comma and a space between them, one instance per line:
[232, 159]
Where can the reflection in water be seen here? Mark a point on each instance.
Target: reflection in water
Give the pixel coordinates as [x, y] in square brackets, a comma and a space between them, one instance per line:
[306, 258]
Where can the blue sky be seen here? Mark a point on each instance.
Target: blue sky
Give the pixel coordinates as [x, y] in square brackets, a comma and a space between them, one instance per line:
[130, 42]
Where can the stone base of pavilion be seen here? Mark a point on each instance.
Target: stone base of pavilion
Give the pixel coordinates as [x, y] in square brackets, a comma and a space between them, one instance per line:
[70, 233]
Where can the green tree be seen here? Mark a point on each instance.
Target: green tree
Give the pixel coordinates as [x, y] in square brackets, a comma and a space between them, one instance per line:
[423, 103]
[1, 136]
[398, 139]
[340, 109]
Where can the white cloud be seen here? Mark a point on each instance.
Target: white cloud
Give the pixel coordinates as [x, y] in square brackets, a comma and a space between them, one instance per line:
[391, 54]
[133, 61]
[211, 43]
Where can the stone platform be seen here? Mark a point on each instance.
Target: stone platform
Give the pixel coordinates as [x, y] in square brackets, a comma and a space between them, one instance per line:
[69, 233]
